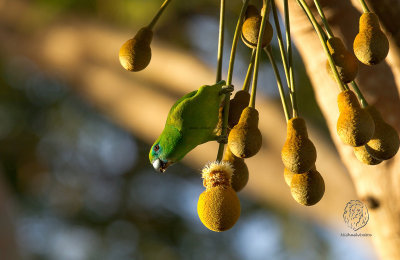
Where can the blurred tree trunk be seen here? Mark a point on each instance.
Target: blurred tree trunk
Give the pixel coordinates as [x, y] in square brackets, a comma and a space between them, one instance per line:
[377, 186]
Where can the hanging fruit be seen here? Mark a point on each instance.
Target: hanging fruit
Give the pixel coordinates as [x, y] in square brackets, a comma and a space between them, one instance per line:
[346, 63]
[298, 152]
[245, 138]
[240, 175]
[307, 188]
[371, 45]
[218, 206]
[355, 126]
[135, 54]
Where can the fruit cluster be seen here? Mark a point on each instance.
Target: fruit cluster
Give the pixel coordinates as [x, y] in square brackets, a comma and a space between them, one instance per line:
[244, 141]
[359, 125]
[373, 139]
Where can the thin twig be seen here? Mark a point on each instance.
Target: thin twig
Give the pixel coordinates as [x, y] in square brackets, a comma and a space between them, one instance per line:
[268, 51]
[320, 33]
[229, 77]
[264, 19]
[360, 96]
[364, 6]
[246, 83]
[280, 41]
[290, 60]
[220, 41]
[158, 14]
[323, 18]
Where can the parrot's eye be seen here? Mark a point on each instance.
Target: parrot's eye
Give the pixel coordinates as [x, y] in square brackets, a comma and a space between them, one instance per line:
[156, 148]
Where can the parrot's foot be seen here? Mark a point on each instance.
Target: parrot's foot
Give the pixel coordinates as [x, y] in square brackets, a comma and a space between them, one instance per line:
[226, 89]
[222, 139]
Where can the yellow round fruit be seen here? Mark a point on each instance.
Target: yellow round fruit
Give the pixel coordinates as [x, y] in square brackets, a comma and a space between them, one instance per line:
[385, 142]
[250, 31]
[135, 54]
[239, 102]
[218, 208]
[298, 153]
[245, 138]
[355, 126]
[240, 175]
[288, 175]
[346, 63]
[371, 45]
[363, 156]
[307, 188]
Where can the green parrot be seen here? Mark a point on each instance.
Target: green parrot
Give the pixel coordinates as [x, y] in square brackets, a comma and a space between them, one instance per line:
[191, 121]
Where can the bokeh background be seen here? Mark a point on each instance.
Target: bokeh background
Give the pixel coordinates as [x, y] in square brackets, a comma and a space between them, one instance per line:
[76, 129]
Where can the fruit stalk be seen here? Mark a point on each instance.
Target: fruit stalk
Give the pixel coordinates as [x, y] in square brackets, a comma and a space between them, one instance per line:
[360, 96]
[246, 83]
[268, 51]
[229, 77]
[220, 41]
[158, 14]
[280, 41]
[364, 6]
[290, 59]
[323, 18]
[321, 37]
[346, 72]
[258, 52]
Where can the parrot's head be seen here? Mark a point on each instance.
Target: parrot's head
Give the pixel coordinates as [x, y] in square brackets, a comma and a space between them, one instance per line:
[157, 157]
[166, 150]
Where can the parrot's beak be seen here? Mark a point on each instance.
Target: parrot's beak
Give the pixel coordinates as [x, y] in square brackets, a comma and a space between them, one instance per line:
[160, 166]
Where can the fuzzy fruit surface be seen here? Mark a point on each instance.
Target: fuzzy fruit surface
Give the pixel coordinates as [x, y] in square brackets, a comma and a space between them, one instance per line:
[307, 188]
[135, 54]
[288, 175]
[218, 208]
[298, 153]
[240, 175]
[251, 11]
[371, 45]
[346, 62]
[364, 156]
[385, 142]
[245, 138]
[239, 102]
[250, 31]
[355, 126]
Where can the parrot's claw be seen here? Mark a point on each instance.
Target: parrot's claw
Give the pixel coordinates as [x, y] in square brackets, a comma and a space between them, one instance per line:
[222, 139]
[226, 89]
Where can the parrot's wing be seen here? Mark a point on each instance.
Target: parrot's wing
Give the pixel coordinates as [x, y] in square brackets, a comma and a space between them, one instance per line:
[197, 111]
[174, 115]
